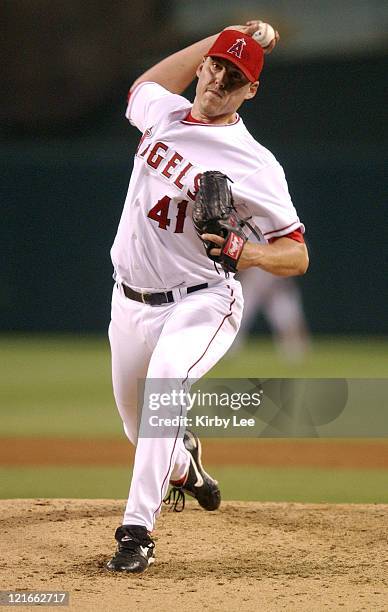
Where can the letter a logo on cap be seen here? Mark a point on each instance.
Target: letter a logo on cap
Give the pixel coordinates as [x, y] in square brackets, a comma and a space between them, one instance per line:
[237, 47]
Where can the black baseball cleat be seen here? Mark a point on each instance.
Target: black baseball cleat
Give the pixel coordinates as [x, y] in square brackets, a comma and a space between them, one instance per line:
[135, 550]
[198, 483]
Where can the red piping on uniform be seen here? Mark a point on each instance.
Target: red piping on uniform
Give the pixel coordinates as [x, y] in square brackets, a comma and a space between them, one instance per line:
[183, 382]
[133, 89]
[169, 469]
[295, 235]
[214, 335]
[189, 120]
[280, 229]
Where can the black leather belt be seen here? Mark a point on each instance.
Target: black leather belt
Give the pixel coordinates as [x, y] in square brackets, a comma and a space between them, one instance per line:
[157, 299]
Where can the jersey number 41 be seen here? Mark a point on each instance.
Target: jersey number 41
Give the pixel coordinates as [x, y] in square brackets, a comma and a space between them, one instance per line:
[159, 213]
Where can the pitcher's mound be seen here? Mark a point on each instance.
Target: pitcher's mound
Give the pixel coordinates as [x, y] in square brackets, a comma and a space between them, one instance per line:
[246, 556]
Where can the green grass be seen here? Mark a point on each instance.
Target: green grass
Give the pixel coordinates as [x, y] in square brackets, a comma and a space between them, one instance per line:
[248, 483]
[335, 357]
[61, 385]
[57, 386]
[306, 485]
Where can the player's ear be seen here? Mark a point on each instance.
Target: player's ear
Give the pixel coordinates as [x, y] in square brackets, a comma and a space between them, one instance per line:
[253, 87]
[199, 69]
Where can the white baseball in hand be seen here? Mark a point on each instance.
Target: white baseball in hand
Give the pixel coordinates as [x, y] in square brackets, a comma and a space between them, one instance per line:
[264, 35]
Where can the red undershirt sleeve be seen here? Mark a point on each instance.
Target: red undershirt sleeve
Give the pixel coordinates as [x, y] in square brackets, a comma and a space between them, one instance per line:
[295, 235]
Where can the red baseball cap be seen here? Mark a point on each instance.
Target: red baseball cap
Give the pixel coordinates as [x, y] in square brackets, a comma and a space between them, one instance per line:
[241, 50]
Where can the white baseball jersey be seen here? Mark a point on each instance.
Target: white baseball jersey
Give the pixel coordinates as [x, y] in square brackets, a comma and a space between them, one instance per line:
[156, 246]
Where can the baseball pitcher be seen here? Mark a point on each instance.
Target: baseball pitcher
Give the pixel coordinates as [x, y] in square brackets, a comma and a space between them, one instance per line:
[200, 186]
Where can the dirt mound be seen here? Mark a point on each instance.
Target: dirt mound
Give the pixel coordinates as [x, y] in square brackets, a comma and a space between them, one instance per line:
[246, 556]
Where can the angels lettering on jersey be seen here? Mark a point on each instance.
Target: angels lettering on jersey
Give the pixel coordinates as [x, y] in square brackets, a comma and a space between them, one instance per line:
[173, 168]
[169, 164]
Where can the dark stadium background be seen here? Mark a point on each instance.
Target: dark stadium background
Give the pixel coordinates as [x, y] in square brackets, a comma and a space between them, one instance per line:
[66, 153]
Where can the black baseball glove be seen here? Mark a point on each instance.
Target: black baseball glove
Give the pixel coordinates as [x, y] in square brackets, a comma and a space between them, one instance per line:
[214, 213]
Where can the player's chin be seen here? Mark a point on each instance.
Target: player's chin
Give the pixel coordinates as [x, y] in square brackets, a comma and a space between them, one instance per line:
[212, 109]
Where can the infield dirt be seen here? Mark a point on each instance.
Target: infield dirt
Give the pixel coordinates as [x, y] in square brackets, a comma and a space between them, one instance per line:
[243, 557]
[353, 454]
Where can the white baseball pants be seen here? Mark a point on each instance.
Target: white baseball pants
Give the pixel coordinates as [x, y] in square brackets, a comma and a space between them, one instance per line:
[182, 340]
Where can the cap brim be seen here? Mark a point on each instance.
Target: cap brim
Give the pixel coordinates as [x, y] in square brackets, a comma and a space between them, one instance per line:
[234, 60]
